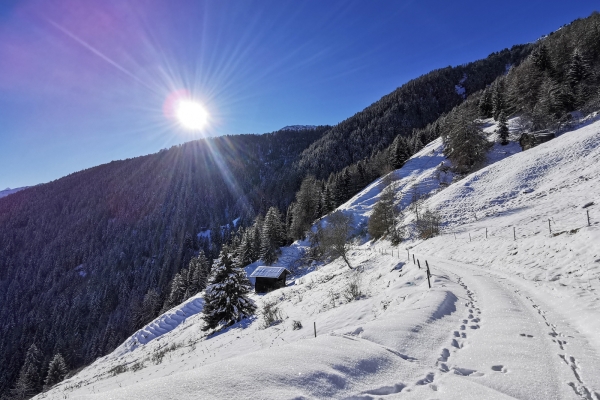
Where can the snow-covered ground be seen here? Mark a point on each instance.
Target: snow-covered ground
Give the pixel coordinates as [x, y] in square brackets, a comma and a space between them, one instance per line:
[504, 318]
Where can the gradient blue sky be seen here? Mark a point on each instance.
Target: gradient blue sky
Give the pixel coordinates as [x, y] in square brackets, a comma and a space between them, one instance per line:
[85, 82]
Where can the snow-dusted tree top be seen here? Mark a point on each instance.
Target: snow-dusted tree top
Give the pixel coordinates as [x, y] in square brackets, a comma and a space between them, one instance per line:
[505, 318]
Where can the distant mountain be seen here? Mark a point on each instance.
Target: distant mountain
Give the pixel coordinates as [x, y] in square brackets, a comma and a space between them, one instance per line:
[297, 127]
[7, 191]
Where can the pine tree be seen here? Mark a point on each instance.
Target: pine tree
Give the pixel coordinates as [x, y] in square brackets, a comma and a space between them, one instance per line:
[503, 129]
[271, 236]
[382, 218]
[29, 380]
[398, 153]
[486, 106]
[177, 290]
[198, 274]
[541, 58]
[579, 68]
[57, 370]
[245, 251]
[465, 144]
[226, 297]
[498, 99]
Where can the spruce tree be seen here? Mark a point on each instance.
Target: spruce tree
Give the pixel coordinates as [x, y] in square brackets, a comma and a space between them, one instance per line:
[503, 129]
[486, 106]
[29, 380]
[498, 99]
[177, 291]
[382, 219]
[465, 144]
[57, 370]
[398, 153]
[541, 58]
[579, 68]
[271, 236]
[198, 273]
[226, 297]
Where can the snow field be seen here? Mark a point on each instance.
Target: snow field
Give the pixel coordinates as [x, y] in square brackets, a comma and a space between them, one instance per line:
[505, 318]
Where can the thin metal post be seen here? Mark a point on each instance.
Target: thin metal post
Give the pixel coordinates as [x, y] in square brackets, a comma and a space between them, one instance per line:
[588, 216]
[419, 264]
[549, 227]
[486, 233]
[514, 232]
[414, 258]
[315, 328]
[469, 236]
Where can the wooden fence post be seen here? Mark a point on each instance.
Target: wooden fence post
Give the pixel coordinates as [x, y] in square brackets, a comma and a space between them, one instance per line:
[428, 274]
[549, 227]
[486, 233]
[588, 216]
[419, 264]
[414, 258]
[515, 233]
[315, 328]
[469, 236]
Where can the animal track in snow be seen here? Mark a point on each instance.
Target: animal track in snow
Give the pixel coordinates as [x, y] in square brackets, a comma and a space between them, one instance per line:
[526, 335]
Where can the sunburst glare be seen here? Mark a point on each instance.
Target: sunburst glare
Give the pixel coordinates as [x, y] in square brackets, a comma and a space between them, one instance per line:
[191, 114]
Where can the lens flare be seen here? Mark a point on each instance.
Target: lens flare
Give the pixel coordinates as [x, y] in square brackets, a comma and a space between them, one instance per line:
[191, 115]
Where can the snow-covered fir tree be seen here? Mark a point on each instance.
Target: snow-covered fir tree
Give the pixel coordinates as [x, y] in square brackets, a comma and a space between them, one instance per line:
[226, 297]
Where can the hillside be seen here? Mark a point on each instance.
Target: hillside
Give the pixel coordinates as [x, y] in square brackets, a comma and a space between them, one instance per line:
[505, 317]
[103, 238]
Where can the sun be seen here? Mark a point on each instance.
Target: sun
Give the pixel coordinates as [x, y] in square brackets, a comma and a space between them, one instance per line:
[191, 114]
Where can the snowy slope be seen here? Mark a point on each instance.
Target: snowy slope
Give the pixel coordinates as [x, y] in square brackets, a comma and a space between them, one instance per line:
[504, 318]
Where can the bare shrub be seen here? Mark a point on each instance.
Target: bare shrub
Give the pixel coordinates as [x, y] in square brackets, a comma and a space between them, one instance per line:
[352, 291]
[271, 314]
[428, 225]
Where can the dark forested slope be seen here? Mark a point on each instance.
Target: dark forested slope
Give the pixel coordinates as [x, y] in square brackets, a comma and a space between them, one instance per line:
[412, 106]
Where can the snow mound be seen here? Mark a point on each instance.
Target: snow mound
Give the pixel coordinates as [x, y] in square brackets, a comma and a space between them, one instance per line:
[163, 324]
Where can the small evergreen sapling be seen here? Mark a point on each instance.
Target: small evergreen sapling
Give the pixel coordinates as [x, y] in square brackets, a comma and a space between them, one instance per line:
[226, 298]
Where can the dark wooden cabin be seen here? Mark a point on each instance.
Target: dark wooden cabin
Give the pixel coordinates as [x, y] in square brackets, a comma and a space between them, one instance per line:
[532, 139]
[269, 278]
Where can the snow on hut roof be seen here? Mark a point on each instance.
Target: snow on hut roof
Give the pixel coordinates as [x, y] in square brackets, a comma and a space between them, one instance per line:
[268, 272]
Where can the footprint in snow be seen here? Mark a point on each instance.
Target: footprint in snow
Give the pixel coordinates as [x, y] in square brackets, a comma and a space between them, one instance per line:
[499, 368]
[428, 379]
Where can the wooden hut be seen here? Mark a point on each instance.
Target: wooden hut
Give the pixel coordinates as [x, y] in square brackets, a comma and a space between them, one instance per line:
[532, 139]
[269, 278]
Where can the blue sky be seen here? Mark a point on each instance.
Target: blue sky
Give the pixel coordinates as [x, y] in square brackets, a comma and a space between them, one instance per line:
[86, 82]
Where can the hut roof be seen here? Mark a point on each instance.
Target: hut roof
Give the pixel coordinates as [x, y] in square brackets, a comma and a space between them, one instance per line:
[268, 272]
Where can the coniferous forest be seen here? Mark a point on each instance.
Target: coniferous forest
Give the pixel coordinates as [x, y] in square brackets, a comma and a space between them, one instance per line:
[89, 258]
